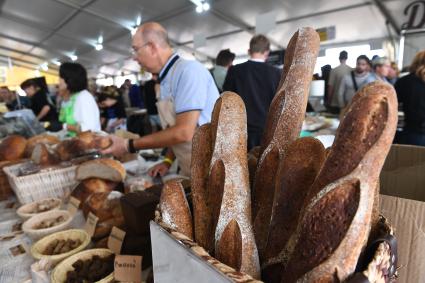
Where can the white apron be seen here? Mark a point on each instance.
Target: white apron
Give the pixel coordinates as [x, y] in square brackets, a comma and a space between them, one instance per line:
[167, 115]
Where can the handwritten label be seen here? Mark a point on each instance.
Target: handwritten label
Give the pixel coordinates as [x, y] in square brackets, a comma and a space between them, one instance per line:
[73, 205]
[128, 268]
[91, 222]
[115, 240]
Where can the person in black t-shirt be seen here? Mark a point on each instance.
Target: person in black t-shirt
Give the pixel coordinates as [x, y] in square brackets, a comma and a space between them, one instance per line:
[39, 102]
[256, 82]
[411, 94]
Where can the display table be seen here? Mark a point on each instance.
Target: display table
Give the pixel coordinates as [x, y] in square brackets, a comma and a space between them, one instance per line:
[15, 257]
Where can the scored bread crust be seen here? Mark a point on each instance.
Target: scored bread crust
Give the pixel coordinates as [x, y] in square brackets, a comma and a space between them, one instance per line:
[283, 125]
[104, 168]
[174, 208]
[368, 129]
[229, 180]
[300, 165]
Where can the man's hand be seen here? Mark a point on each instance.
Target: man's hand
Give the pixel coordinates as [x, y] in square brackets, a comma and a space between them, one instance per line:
[160, 168]
[118, 147]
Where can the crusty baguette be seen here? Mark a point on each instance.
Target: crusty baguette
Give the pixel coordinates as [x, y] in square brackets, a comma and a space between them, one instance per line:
[44, 139]
[202, 214]
[45, 156]
[229, 178]
[105, 168]
[174, 208]
[336, 221]
[303, 160]
[12, 148]
[283, 124]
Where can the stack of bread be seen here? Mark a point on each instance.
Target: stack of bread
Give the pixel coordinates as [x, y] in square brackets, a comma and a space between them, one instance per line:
[292, 211]
[49, 150]
[97, 193]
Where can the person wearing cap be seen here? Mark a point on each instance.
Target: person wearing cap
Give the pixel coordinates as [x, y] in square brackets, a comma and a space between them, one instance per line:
[187, 97]
[381, 68]
[335, 79]
[256, 83]
[223, 62]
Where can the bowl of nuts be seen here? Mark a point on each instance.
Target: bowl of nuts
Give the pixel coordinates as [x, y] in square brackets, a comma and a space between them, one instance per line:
[28, 210]
[60, 245]
[46, 223]
[96, 265]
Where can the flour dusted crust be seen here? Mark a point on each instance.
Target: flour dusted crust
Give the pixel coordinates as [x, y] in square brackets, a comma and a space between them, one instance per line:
[283, 124]
[229, 177]
[174, 208]
[347, 196]
[104, 168]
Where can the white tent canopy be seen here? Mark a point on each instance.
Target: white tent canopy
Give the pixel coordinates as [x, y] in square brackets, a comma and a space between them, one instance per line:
[38, 31]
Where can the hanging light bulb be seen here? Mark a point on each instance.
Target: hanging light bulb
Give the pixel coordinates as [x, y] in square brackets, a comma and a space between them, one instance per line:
[73, 57]
[199, 9]
[205, 6]
[44, 66]
[98, 47]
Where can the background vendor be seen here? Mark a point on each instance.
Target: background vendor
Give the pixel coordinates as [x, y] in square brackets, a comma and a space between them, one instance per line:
[79, 111]
[187, 97]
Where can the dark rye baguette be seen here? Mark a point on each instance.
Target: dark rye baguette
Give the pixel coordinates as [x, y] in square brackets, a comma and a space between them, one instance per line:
[229, 183]
[300, 166]
[283, 124]
[174, 208]
[336, 221]
[200, 166]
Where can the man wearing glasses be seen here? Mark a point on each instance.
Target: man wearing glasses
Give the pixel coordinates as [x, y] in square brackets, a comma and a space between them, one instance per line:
[187, 97]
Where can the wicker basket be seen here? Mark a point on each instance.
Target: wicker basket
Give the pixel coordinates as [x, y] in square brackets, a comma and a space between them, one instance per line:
[38, 248]
[25, 211]
[59, 273]
[379, 266]
[35, 234]
[55, 183]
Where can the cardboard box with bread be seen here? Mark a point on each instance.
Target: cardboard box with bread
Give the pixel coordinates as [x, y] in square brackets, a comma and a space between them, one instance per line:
[291, 211]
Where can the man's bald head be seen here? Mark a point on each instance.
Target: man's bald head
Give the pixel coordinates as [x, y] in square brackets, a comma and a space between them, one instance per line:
[155, 33]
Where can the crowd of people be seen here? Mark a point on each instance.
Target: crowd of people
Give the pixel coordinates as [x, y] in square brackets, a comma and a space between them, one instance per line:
[181, 95]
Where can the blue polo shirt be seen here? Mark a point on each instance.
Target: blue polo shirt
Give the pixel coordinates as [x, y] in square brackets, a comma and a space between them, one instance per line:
[191, 86]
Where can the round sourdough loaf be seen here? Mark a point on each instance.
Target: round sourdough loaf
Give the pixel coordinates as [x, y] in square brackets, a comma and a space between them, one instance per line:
[12, 148]
[105, 168]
